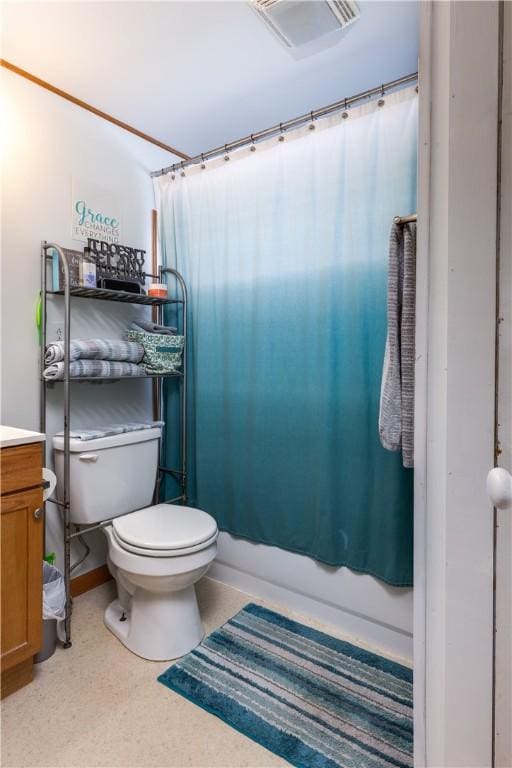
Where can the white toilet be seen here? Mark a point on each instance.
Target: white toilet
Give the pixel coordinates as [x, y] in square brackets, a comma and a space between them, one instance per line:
[155, 554]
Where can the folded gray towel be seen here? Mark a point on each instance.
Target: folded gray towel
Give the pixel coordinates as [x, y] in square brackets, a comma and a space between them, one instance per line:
[135, 426]
[95, 349]
[94, 368]
[396, 416]
[147, 327]
[93, 433]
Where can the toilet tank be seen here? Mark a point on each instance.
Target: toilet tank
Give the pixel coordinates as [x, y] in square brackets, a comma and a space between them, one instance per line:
[109, 476]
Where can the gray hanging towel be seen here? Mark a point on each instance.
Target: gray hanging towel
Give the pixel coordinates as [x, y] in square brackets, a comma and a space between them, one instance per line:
[396, 416]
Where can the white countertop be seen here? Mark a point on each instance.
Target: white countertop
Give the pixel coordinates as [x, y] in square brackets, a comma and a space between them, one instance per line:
[12, 436]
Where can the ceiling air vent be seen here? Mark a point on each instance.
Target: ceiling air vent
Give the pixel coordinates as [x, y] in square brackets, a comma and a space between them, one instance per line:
[299, 22]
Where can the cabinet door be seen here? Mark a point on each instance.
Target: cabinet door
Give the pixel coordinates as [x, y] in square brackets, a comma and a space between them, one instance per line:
[21, 569]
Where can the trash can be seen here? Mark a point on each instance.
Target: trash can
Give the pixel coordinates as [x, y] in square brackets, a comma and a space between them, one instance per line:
[54, 609]
[49, 643]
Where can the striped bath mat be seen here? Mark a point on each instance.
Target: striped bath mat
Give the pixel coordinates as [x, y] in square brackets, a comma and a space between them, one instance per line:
[317, 701]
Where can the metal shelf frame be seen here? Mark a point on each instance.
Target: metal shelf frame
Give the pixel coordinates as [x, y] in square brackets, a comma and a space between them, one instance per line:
[112, 379]
[72, 530]
[106, 294]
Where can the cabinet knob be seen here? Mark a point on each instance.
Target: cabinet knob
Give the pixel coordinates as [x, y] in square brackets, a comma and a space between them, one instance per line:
[38, 513]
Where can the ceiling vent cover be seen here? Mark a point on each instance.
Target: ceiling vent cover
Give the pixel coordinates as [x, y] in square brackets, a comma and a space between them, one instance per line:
[298, 22]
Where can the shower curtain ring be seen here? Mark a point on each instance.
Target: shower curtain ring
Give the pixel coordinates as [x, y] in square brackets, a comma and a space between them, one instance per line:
[226, 156]
[203, 165]
[253, 145]
[182, 169]
[281, 137]
[312, 124]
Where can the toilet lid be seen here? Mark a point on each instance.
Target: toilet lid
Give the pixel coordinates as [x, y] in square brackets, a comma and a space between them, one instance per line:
[165, 527]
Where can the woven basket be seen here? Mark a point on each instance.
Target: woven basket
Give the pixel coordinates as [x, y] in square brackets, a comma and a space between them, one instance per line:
[162, 353]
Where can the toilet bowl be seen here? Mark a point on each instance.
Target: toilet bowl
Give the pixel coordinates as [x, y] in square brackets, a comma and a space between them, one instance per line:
[156, 614]
[155, 553]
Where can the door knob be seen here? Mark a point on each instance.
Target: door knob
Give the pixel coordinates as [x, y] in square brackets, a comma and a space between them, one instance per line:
[38, 513]
[499, 487]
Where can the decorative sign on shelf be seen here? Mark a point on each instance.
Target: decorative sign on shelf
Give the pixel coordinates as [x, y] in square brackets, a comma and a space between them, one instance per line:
[119, 262]
[74, 265]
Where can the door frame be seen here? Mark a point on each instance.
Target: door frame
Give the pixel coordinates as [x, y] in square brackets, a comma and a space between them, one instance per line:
[455, 383]
[503, 551]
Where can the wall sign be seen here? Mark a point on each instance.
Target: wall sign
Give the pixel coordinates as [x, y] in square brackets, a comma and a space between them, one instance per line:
[117, 261]
[94, 213]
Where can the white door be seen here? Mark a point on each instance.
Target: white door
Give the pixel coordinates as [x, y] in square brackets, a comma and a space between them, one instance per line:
[500, 480]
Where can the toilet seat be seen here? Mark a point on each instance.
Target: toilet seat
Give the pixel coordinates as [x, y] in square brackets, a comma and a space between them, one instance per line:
[165, 530]
[146, 552]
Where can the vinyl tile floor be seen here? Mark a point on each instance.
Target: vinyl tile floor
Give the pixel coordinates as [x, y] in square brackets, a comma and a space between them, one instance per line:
[97, 704]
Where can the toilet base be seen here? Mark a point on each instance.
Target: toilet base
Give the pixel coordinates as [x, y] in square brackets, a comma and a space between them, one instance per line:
[158, 626]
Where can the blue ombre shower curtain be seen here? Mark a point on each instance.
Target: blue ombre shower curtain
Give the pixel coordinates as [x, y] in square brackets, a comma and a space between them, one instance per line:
[284, 250]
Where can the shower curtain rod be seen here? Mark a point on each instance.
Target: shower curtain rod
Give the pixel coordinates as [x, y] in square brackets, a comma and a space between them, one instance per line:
[295, 122]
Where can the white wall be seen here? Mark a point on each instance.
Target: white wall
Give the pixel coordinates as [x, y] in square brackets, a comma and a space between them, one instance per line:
[358, 605]
[46, 142]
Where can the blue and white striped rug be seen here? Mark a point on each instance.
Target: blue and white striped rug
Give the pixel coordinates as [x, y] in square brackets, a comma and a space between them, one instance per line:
[317, 701]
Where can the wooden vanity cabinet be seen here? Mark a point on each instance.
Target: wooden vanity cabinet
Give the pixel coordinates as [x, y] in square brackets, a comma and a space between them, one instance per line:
[21, 545]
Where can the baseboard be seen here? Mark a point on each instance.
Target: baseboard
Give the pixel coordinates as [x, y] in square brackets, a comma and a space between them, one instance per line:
[90, 580]
[16, 677]
[389, 641]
